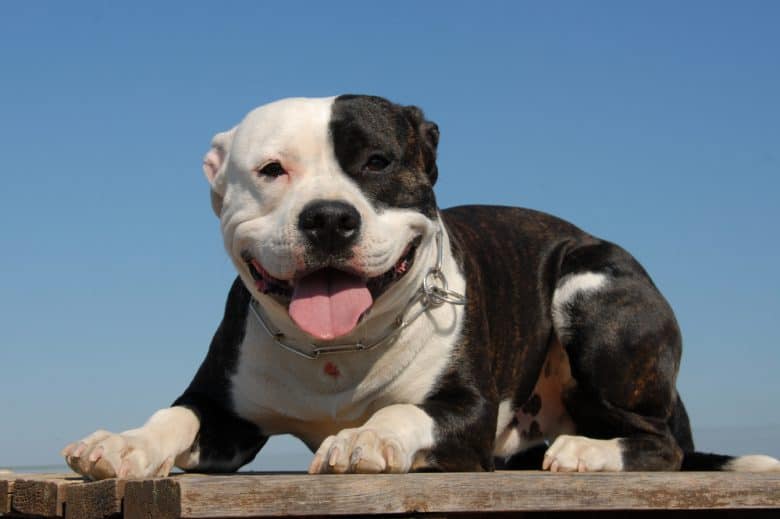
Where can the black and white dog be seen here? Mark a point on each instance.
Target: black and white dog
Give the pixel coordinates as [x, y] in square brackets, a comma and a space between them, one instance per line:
[391, 336]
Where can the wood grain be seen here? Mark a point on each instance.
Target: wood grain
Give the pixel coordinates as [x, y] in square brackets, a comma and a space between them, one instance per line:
[243, 496]
[462, 494]
[41, 494]
[157, 498]
[6, 493]
[95, 500]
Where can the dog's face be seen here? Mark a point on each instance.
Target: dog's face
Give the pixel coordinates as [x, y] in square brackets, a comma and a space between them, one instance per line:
[327, 207]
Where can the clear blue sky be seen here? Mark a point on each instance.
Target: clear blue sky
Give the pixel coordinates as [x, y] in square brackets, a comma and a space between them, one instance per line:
[652, 124]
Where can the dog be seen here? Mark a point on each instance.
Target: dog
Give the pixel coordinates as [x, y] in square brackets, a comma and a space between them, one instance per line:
[392, 336]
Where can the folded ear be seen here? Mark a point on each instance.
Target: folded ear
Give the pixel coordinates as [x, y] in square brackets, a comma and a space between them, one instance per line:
[429, 135]
[214, 167]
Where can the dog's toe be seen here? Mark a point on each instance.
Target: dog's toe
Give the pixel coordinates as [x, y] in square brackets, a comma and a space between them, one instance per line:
[103, 455]
[367, 456]
[365, 451]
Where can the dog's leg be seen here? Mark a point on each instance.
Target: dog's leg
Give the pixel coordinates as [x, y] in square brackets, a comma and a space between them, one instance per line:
[624, 350]
[225, 441]
[195, 434]
[144, 452]
[200, 432]
[447, 432]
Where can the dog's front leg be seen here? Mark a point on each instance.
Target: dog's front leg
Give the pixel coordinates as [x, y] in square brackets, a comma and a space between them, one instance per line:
[389, 441]
[148, 451]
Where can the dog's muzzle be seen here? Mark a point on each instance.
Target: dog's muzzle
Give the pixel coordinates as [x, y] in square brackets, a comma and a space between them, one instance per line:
[329, 302]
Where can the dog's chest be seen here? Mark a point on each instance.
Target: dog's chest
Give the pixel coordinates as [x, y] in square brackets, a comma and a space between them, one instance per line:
[282, 392]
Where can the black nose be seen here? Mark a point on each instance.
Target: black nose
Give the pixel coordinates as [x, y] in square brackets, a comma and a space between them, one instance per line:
[329, 225]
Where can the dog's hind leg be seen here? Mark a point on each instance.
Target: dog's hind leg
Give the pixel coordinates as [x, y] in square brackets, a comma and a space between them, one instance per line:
[624, 349]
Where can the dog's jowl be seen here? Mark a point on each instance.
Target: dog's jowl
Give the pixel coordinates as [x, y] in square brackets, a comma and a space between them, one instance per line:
[392, 336]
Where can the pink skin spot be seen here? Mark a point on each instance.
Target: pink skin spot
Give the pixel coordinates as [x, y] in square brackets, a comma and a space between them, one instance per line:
[331, 369]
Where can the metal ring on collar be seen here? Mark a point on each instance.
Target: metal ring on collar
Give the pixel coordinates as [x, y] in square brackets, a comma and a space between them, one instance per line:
[440, 294]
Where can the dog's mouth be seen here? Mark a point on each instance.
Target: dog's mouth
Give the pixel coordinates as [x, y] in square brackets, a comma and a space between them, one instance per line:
[328, 303]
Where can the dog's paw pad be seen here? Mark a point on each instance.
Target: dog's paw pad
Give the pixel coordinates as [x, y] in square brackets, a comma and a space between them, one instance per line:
[581, 454]
[365, 451]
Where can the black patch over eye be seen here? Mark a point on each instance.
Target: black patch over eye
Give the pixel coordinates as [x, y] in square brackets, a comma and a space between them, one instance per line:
[376, 163]
[272, 169]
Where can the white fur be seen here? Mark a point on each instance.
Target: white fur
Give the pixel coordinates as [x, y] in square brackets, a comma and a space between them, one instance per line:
[551, 419]
[278, 390]
[753, 463]
[148, 451]
[388, 442]
[569, 287]
[366, 418]
[285, 393]
[582, 454]
[508, 438]
[274, 388]
[260, 214]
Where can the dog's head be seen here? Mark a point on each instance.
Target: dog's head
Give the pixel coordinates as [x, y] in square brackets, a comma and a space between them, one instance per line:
[327, 207]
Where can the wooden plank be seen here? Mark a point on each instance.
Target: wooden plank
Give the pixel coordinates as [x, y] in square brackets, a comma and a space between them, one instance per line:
[95, 500]
[157, 498]
[304, 495]
[6, 491]
[7, 481]
[42, 494]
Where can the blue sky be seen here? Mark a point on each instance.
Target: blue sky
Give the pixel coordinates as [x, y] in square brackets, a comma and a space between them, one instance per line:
[652, 124]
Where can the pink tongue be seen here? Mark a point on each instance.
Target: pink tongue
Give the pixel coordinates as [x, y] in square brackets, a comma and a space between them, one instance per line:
[328, 303]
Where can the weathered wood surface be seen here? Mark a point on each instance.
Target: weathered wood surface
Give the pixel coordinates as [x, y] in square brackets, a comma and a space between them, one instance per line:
[288, 494]
[95, 499]
[237, 496]
[41, 495]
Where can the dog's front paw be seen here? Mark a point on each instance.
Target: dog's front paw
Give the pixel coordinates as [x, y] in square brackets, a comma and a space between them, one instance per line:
[363, 450]
[103, 455]
[582, 454]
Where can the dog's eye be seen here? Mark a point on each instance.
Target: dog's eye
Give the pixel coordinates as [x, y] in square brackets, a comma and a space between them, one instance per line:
[272, 169]
[376, 163]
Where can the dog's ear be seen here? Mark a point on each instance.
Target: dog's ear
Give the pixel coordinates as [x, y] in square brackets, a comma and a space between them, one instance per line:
[214, 167]
[428, 132]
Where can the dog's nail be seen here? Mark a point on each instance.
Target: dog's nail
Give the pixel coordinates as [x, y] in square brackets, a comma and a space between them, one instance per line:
[581, 466]
[389, 457]
[354, 459]
[66, 451]
[79, 450]
[316, 464]
[334, 455]
[96, 454]
[547, 462]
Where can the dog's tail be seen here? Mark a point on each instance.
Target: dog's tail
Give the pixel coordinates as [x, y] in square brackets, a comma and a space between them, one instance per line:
[751, 463]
